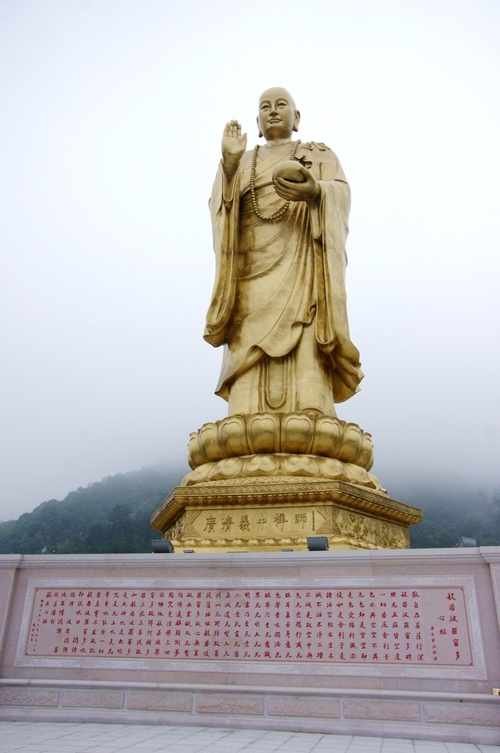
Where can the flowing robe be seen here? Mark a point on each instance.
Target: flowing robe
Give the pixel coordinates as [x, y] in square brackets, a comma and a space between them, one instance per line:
[279, 303]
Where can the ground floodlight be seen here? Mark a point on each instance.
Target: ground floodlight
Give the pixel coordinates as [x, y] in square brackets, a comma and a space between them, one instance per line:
[162, 546]
[317, 543]
[466, 541]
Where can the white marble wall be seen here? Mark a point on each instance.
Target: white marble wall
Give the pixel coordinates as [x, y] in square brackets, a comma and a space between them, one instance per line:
[441, 608]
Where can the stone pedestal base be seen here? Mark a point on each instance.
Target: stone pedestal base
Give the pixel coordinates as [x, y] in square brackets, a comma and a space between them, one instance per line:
[268, 481]
[271, 514]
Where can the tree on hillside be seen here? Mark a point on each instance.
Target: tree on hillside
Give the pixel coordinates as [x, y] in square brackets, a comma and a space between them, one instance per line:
[108, 516]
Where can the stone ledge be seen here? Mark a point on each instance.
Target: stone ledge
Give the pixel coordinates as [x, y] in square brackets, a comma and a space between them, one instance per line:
[25, 696]
[92, 698]
[229, 703]
[463, 713]
[271, 690]
[10, 561]
[310, 707]
[157, 700]
[384, 710]
[295, 709]
[409, 557]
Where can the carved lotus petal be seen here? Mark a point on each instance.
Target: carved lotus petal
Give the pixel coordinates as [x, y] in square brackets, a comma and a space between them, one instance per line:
[228, 468]
[195, 456]
[263, 430]
[233, 436]
[261, 465]
[351, 445]
[374, 483]
[359, 475]
[197, 476]
[327, 436]
[209, 442]
[299, 465]
[365, 457]
[297, 433]
[330, 468]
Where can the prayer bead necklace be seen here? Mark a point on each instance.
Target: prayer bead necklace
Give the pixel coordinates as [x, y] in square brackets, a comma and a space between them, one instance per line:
[280, 212]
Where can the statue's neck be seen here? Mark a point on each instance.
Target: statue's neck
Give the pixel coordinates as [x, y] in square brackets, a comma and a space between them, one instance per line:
[278, 142]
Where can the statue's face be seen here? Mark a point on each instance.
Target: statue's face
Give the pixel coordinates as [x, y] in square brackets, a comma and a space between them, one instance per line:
[277, 117]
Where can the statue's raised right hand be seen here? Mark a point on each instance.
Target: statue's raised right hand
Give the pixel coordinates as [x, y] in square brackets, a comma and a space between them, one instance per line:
[234, 145]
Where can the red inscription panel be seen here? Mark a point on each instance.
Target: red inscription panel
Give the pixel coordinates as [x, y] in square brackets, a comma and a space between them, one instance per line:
[412, 626]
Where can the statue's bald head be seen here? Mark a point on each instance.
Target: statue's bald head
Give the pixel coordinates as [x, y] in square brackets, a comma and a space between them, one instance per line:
[278, 117]
[277, 91]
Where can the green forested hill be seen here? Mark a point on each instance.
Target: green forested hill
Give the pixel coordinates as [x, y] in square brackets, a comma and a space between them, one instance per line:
[113, 515]
[108, 516]
[451, 511]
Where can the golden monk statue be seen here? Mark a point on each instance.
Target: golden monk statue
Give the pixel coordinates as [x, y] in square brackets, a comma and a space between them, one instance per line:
[281, 470]
[280, 222]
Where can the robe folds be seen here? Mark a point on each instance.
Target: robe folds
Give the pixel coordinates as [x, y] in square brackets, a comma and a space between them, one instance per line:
[280, 287]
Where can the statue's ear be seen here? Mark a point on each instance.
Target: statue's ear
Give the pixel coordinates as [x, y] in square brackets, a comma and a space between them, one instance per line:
[296, 120]
[260, 132]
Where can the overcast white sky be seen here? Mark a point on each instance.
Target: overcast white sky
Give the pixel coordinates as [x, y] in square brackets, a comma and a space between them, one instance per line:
[112, 113]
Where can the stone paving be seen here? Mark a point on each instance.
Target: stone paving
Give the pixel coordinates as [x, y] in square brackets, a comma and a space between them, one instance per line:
[62, 737]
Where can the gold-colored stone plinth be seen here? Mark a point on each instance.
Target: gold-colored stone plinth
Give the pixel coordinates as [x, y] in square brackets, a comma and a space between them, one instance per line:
[268, 481]
[271, 514]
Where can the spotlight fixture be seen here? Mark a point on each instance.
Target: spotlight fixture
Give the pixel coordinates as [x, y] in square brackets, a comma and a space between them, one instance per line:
[466, 541]
[317, 543]
[162, 546]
